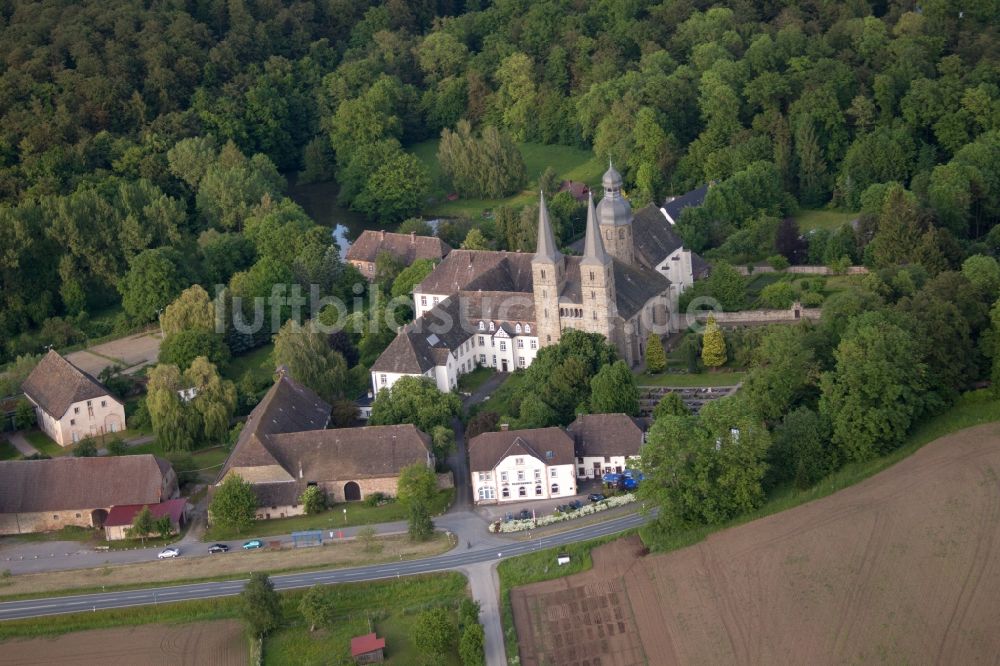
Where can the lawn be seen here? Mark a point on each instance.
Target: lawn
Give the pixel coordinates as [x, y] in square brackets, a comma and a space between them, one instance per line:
[44, 443]
[387, 607]
[568, 162]
[358, 513]
[8, 451]
[684, 380]
[258, 362]
[471, 381]
[209, 461]
[822, 218]
[500, 401]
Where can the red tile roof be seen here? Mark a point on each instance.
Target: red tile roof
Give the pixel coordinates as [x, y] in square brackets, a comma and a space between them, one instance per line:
[124, 514]
[364, 644]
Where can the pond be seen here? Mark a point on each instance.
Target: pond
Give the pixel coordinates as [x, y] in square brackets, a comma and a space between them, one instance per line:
[319, 200]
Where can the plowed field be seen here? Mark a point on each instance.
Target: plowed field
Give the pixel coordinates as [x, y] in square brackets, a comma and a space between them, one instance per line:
[903, 567]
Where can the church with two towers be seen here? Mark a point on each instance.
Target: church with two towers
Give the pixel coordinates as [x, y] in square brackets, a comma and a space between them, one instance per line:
[496, 309]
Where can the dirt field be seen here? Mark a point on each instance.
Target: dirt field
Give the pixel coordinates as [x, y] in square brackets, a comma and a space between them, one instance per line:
[346, 554]
[219, 643]
[131, 352]
[901, 568]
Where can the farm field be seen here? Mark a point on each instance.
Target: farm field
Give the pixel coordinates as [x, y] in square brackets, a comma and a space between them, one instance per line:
[219, 643]
[844, 579]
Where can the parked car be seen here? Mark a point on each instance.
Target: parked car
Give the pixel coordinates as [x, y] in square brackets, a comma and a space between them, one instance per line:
[524, 515]
[168, 553]
[218, 548]
[596, 497]
[253, 544]
[574, 505]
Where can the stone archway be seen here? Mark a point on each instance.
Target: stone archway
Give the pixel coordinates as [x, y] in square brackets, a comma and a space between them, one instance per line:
[352, 491]
[97, 518]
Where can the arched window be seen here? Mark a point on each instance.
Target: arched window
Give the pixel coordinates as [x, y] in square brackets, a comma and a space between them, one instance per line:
[527, 328]
[538, 490]
[591, 276]
[555, 488]
[482, 326]
[491, 326]
[522, 492]
[517, 328]
[543, 273]
[505, 493]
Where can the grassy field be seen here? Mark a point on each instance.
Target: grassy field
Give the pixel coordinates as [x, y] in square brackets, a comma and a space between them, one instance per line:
[685, 380]
[501, 399]
[357, 514]
[209, 461]
[258, 362]
[387, 607]
[8, 451]
[570, 163]
[391, 606]
[44, 443]
[821, 218]
[233, 565]
[471, 381]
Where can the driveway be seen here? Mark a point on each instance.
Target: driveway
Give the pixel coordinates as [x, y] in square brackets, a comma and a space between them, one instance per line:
[131, 352]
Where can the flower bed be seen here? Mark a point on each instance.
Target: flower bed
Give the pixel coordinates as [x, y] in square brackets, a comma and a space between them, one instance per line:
[560, 516]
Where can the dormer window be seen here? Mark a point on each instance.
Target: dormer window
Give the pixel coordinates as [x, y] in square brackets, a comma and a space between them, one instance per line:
[527, 328]
[492, 327]
[482, 326]
[517, 328]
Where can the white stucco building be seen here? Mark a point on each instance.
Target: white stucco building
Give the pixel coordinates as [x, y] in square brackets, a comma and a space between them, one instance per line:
[522, 465]
[606, 443]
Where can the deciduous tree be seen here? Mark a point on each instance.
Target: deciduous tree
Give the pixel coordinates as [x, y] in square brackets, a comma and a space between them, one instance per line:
[234, 504]
[317, 607]
[713, 345]
[614, 390]
[260, 605]
[415, 400]
[656, 356]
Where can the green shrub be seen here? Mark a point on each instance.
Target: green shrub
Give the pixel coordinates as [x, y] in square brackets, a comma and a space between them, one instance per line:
[779, 295]
[811, 299]
[778, 262]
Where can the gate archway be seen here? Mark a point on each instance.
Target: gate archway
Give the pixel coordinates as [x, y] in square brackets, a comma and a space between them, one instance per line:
[352, 491]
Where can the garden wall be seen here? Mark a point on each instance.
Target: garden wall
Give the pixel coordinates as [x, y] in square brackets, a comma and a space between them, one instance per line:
[800, 270]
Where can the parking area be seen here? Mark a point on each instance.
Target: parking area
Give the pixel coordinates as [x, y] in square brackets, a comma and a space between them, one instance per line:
[541, 507]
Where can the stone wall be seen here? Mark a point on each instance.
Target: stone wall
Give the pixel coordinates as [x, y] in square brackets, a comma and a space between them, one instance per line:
[800, 270]
[47, 521]
[752, 317]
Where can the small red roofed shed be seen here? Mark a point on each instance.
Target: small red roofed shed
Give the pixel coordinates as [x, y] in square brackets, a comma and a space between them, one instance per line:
[367, 649]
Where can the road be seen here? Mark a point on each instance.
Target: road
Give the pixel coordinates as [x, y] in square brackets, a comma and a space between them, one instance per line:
[452, 560]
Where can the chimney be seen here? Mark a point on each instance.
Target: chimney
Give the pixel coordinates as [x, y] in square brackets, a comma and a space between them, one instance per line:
[504, 427]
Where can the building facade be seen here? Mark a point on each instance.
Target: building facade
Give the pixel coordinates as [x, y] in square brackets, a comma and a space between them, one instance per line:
[71, 405]
[496, 309]
[606, 443]
[521, 465]
[404, 248]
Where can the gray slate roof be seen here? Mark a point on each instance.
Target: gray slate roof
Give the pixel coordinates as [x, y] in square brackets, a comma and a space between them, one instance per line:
[489, 448]
[55, 384]
[655, 240]
[607, 434]
[674, 207]
[479, 269]
[62, 484]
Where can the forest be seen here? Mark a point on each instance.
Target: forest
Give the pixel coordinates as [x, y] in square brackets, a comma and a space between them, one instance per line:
[146, 147]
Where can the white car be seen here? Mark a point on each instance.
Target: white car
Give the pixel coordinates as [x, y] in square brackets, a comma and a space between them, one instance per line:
[168, 553]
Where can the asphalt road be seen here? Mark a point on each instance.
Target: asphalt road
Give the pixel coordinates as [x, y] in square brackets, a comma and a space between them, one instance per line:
[456, 558]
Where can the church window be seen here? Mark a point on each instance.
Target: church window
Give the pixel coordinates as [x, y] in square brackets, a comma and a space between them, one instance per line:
[595, 315]
[543, 273]
[491, 327]
[621, 233]
[593, 295]
[546, 313]
[591, 276]
[517, 328]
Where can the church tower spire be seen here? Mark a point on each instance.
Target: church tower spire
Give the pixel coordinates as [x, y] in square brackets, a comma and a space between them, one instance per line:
[597, 281]
[548, 275]
[614, 217]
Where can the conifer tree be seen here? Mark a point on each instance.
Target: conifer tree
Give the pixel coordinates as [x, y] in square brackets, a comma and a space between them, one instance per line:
[713, 345]
[656, 357]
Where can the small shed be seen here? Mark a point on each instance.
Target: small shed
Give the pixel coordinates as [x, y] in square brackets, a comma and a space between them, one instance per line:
[368, 649]
[121, 516]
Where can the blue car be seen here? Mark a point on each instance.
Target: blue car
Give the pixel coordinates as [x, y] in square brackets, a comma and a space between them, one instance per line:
[253, 544]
